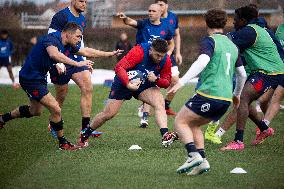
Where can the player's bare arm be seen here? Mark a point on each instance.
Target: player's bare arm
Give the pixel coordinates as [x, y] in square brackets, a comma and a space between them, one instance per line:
[94, 53]
[171, 47]
[60, 57]
[177, 40]
[128, 21]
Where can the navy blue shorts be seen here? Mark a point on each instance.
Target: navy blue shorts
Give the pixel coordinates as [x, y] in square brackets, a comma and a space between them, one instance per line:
[35, 90]
[262, 82]
[64, 78]
[4, 61]
[120, 92]
[207, 107]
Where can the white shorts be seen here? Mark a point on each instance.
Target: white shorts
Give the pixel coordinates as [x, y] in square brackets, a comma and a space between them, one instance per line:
[175, 71]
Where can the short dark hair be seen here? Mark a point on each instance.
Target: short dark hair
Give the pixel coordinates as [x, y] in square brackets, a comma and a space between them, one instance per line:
[72, 27]
[247, 12]
[165, 1]
[160, 45]
[216, 18]
[4, 32]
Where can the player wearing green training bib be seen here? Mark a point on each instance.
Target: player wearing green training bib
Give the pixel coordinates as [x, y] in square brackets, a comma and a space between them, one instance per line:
[263, 55]
[216, 64]
[280, 34]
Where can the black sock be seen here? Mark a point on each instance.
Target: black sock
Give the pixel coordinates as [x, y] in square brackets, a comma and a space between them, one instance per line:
[190, 147]
[163, 131]
[86, 134]
[167, 104]
[145, 116]
[262, 126]
[85, 122]
[201, 152]
[62, 140]
[239, 136]
[7, 117]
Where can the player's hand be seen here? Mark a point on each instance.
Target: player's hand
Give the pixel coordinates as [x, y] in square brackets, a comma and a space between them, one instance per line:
[117, 52]
[61, 69]
[87, 63]
[236, 101]
[133, 86]
[178, 58]
[175, 88]
[121, 15]
[151, 77]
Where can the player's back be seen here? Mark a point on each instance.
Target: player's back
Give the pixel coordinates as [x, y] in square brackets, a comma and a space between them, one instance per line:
[263, 55]
[38, 62]
[216, 78]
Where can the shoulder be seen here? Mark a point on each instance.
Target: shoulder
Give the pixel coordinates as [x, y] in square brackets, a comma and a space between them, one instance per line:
[208, 40]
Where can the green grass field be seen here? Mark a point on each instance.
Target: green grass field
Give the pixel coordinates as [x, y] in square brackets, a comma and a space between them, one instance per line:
[29, 157]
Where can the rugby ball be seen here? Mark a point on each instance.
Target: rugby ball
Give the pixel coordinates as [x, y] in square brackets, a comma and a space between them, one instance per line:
[135, 76]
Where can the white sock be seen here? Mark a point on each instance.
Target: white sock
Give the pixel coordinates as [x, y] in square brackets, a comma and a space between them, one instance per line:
[220, 132]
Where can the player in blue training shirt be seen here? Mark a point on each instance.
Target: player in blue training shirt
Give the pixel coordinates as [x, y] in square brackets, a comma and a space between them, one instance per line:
[150, 28]
[49, 50]
[80, 75]
[147, 30]
[6, 50]
[172, 21]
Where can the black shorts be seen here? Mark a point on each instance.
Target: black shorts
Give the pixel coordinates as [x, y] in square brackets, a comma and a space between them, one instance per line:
[207, 107]
[4, 61]
[64, 78]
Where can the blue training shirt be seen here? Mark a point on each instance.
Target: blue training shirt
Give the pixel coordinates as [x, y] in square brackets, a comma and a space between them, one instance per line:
[171, 21]
[6, 48]
[61, 18]
[146, 31]
[38, 62]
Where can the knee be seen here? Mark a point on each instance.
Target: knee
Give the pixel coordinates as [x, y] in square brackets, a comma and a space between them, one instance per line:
[56, 110]
[36, 112]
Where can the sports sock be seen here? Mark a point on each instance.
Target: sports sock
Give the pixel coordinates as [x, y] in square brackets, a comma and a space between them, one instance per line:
[220, 132]
[190, 147]
[163, 131]
[239, 136]
[85, 122]
[167, 104]
[86, 134]
[263, 125]
[201, 152]
[145, 116]
[7, 117]
[62, 140]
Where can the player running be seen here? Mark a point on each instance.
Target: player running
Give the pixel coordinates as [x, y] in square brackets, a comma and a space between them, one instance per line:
[264, 57]
[80, 75]
[147, 30]
[49, 50]
[155, 64]
[218, 60]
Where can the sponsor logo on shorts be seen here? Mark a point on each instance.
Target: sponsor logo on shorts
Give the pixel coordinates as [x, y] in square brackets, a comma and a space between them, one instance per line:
[205, 107]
